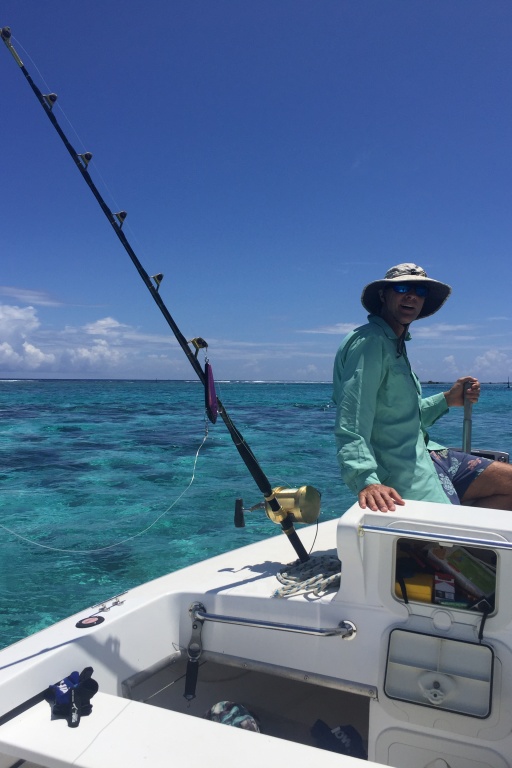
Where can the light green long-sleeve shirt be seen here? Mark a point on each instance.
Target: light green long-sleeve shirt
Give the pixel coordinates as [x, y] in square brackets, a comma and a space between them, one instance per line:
[381, 418]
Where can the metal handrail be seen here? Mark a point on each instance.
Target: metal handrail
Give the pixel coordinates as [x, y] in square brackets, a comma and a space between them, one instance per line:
[468, 540]
[345, 629]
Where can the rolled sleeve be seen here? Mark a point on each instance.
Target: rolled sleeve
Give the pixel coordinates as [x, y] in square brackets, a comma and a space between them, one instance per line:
[432, 408]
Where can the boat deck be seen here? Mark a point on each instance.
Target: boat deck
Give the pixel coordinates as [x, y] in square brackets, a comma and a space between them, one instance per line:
[283, 707]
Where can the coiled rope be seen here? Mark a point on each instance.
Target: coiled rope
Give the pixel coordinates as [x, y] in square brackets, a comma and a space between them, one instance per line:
[318, 575]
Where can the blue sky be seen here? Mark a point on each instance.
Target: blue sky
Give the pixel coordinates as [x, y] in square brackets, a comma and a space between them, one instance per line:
[274, 156]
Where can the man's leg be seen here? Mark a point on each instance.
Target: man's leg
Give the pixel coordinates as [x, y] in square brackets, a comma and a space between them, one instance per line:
[491, 488]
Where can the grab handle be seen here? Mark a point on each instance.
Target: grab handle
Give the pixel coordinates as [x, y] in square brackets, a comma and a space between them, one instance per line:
[467, 424]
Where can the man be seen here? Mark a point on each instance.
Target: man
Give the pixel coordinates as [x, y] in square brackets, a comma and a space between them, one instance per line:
[382, 420]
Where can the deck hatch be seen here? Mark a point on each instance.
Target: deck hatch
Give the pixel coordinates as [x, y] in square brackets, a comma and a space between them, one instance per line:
[438, 672]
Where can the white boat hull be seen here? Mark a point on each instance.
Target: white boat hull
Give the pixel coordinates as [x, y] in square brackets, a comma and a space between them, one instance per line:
[375, 679]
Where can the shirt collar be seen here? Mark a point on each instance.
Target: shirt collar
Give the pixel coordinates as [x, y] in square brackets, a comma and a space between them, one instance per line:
[377, 320]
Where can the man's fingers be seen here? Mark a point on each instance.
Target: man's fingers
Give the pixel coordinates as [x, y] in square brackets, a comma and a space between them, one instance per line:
[379, 498]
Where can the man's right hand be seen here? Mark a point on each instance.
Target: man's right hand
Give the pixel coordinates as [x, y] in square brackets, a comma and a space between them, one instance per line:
[379, 498]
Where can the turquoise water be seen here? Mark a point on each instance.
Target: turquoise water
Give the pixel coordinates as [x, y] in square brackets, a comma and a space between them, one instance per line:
[89, 471]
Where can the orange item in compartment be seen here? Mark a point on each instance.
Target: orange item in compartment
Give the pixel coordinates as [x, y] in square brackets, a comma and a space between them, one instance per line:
[420, 588]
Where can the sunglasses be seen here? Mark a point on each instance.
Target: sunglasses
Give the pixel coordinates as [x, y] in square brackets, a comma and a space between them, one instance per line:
[420, 290]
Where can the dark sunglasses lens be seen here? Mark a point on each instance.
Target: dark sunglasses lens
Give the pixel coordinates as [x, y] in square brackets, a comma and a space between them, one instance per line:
[420, 290]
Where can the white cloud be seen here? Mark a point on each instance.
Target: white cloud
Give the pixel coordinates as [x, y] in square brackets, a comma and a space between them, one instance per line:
[493, 363]
[34, 357]
[8, 356]
[102, 348]
[25, 347]
[310, 372]
[450, 367]
[107, 348]
[338, 329]
[25, 296]
[441, 330]
[435, 331]
[17, 322]
[16, 352]
[106, 326]
[100, 353]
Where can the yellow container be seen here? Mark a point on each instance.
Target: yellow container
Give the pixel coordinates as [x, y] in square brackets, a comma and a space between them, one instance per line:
[420, 588]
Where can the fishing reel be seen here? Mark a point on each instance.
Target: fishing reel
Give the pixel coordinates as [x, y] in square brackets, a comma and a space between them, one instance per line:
[301, 505]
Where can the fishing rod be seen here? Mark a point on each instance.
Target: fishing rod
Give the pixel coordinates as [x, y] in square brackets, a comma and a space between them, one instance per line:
[279, 514]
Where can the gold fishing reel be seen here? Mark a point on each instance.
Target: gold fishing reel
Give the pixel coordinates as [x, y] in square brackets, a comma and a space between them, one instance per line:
[301, 504]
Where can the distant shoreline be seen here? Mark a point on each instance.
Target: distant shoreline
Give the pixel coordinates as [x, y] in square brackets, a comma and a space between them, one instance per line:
[14, 379]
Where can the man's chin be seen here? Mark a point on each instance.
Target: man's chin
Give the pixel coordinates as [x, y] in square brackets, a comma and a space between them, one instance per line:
[408, 317]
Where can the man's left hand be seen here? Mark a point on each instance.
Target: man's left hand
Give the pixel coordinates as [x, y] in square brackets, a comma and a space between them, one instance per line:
[455, 395]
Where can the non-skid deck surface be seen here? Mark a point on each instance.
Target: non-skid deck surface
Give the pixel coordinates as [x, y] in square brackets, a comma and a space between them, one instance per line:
[284, 708]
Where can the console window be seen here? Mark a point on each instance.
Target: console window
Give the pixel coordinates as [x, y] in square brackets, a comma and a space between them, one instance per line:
[454, 577]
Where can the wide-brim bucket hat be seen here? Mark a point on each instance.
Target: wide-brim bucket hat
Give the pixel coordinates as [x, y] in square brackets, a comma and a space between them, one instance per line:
[406, 273]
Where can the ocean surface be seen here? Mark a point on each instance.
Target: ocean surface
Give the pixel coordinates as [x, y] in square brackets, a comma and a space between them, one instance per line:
[95, 480]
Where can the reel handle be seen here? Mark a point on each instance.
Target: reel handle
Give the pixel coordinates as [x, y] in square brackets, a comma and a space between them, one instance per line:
[239, 513]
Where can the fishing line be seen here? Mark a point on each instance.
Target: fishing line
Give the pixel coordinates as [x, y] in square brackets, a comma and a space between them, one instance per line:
[123, 541]
[27, 54]
[57, 105]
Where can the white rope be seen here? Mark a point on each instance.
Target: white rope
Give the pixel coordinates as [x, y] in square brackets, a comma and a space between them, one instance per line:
[318, 575]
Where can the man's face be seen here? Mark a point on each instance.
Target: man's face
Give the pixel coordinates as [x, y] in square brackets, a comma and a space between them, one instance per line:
[399, 309]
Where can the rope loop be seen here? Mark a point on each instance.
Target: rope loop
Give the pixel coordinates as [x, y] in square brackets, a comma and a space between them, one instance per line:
[320, 574]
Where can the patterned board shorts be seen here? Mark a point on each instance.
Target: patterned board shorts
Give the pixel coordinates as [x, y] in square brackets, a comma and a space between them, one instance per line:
[457, 470]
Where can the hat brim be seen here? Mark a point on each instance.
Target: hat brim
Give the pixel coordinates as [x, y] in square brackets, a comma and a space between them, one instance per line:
[437, 294]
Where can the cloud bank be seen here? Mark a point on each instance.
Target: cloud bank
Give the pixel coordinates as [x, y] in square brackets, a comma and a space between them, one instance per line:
[108, 348]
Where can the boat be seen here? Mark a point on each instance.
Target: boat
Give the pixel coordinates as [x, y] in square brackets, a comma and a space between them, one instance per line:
[421, 676]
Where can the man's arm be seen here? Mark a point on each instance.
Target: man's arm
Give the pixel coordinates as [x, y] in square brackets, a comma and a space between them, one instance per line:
[432, 408]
